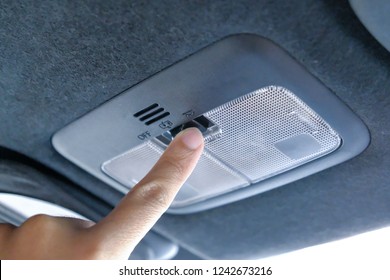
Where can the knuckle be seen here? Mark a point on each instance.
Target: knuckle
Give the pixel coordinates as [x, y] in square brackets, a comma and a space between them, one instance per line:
[40, 220]
[42, 226]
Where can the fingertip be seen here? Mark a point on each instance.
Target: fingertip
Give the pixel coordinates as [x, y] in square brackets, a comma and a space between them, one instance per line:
[150, 198]
[191, 138]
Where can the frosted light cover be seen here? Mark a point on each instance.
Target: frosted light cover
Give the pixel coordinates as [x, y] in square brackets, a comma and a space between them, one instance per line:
[132, 166]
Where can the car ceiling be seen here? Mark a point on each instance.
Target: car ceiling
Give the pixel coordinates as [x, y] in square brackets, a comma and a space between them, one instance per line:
[61, 59]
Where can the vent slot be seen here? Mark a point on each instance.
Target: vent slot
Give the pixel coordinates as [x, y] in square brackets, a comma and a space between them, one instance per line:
[157, 118]
[151, 112]
[147, 109]
[148, 116]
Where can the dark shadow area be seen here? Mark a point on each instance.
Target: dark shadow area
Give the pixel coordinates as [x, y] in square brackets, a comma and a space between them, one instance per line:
[350, 24]
[22, 175]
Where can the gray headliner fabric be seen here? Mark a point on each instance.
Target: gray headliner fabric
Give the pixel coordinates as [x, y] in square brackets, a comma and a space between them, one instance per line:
[374, 14]
[60, 59]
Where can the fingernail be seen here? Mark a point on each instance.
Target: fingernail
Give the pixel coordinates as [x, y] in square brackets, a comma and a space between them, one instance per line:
[192, 138]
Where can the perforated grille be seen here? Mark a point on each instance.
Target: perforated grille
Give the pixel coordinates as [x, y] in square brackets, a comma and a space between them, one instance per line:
[269, 131]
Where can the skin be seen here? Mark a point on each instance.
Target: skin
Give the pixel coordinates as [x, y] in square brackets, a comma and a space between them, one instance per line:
[115, 236]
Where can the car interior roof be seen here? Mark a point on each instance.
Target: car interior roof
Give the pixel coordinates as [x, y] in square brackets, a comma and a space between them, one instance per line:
[61, 59]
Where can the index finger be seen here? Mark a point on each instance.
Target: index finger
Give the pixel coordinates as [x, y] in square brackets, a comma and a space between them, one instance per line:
[139, 210]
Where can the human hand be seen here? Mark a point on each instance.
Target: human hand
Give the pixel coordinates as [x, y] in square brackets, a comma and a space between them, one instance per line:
[114, 237]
